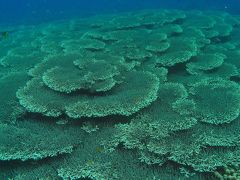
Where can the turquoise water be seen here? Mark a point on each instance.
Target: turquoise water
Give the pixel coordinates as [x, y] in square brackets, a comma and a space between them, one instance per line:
[131, 93]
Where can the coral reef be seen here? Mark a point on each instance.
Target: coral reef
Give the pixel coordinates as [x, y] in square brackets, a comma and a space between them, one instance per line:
[228, 173]
[152, 94]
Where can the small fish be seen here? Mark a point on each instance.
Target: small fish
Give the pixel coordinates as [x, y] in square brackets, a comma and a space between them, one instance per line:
[62, 121]
[90, 162]
[99, 149]
[4, 35]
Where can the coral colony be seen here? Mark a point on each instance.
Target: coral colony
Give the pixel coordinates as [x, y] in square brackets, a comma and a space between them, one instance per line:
[148, 94]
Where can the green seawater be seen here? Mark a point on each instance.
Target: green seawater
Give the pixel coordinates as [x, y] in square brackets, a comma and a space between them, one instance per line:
[142, 95]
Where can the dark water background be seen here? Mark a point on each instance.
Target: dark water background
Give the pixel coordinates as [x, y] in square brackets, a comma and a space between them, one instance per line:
[37, 11]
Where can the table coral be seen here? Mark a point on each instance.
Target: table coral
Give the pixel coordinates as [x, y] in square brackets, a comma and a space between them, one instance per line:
[151, 93]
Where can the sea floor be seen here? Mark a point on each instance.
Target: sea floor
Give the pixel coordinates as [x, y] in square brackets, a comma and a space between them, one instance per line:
[151, 94]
